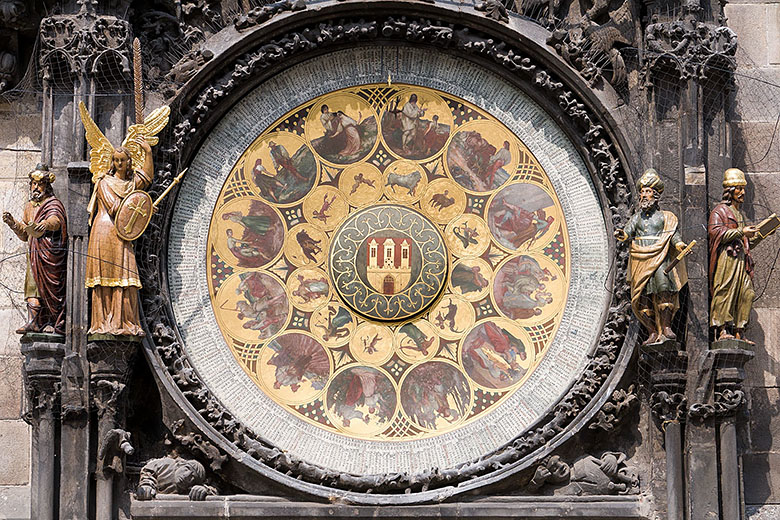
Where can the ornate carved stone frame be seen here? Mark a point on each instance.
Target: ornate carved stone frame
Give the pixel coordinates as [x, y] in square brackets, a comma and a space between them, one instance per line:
[517, 52]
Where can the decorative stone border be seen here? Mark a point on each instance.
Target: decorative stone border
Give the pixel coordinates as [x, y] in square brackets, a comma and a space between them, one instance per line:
[582, 401]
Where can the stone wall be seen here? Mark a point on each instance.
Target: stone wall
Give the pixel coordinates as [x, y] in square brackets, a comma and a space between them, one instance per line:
[20, 136]
[757, 23]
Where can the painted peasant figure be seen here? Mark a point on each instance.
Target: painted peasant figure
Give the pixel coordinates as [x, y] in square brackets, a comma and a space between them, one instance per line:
[654, 236]
[731, 267]
[112, 272]
[44, 228]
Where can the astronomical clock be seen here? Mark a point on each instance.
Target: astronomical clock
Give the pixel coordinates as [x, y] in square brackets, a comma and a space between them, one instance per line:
[387, 276]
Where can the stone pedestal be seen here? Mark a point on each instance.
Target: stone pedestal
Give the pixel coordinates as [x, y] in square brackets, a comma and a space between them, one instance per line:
[668, 365]
[110, 363]
[43, 355]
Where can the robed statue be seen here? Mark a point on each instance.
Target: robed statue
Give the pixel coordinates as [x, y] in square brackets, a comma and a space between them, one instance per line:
[118, 175]
[44, 228]
[731, 267]
[655, 273]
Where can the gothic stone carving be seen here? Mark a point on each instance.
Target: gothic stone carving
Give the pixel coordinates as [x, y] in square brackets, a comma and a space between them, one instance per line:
[592, 44]
[493, 9]
[42, 366]
[173, 475]
[695, 49]
[725, 403]
[197, 444]
[614, 410]
[323, 35]
[669, 407]
[588, 475]
[83, 42]
[260, 15]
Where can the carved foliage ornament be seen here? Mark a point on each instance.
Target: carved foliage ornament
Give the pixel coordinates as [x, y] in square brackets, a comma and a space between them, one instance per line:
[725, 403]
[82, 44]
[695, 49]
[322, 36]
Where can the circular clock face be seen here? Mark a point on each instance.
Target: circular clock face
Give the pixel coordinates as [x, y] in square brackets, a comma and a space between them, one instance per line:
[387, 273]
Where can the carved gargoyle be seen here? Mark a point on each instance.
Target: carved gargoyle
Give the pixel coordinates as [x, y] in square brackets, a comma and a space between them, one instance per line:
[173, 475]
[588, 475]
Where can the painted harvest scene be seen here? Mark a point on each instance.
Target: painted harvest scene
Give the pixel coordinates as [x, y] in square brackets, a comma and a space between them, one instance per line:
[388, 262]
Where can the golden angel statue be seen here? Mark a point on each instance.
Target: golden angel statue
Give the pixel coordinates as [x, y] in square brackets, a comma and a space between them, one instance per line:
[118, 174]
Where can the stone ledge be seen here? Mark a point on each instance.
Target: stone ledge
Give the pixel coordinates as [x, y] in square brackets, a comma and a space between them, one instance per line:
[173, 507]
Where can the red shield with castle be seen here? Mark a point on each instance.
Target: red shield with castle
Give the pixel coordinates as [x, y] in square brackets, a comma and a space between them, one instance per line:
[388, 263]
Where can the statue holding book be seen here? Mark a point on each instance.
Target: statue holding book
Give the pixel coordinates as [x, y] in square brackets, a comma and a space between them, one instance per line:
[731, 265]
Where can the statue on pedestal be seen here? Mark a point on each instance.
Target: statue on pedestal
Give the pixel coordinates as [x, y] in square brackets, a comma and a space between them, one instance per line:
[656, 276]
[731, 267]
[119, 175]
[44, 228]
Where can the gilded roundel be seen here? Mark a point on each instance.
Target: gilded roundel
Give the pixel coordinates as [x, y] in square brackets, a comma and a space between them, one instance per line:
[388, 265]
[388, 262]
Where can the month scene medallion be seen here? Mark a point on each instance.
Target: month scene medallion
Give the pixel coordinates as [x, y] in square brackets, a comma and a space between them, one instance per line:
[387, 272]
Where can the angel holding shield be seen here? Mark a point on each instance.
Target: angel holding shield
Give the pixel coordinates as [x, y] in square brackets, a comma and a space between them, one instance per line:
[112, 273]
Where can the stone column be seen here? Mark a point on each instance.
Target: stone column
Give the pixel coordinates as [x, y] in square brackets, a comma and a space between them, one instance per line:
[669, 406]
[42, 367]
[78, 47]
[724, 370]
[110, 367]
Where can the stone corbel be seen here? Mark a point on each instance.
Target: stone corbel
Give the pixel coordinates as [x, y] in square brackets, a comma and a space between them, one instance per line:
[719, 394]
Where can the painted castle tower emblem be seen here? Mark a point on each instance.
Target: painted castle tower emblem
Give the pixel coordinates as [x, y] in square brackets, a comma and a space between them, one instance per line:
[388, 263]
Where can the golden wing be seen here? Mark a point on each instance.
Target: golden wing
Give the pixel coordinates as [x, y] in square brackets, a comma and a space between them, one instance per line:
[152, 125]
[101, 150]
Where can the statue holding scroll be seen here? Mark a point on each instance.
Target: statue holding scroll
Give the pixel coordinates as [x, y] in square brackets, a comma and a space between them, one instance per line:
[44, 228]
[655, 270]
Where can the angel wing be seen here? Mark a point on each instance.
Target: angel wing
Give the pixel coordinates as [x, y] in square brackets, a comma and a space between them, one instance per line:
[101, 149]
[152, 125]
